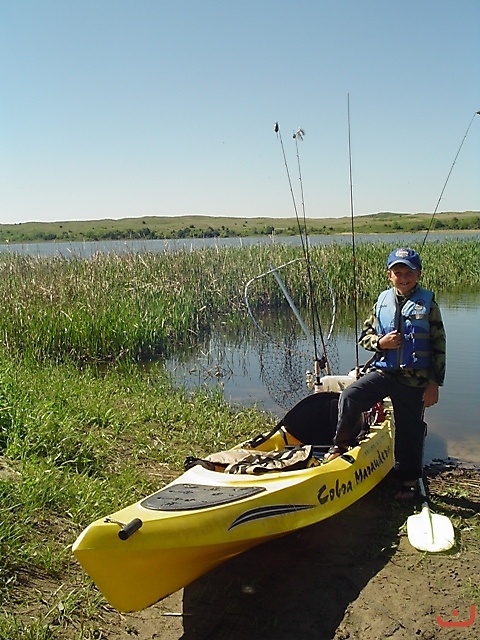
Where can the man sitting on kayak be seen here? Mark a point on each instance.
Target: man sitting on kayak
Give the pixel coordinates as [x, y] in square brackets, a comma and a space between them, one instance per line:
[406, 333]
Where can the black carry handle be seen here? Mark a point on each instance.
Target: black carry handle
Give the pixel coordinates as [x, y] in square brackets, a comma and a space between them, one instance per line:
[129, 529]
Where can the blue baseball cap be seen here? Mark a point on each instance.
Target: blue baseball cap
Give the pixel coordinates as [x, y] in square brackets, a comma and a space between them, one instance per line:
[404, 256]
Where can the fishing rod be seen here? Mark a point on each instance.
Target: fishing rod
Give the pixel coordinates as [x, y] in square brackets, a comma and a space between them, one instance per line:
[323, 361]
[477, 113]
[354, 262]
[297, 135]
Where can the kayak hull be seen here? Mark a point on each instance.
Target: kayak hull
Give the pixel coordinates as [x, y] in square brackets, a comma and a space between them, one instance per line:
[205, 517]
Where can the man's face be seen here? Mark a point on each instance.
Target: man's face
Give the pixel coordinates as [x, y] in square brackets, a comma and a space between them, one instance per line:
[403, 278]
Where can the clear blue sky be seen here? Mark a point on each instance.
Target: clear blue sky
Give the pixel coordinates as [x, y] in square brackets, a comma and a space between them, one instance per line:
[122, 108]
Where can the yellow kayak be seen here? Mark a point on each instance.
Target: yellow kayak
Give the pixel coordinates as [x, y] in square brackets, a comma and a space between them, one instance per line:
[150, 549]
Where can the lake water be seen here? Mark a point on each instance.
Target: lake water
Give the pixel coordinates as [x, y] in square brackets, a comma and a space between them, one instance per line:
[88, 249]
[238, 365]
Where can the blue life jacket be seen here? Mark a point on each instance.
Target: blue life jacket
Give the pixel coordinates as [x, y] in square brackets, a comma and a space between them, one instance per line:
[412, 321]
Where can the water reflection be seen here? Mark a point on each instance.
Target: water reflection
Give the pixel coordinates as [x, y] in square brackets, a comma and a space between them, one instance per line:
[234, 359]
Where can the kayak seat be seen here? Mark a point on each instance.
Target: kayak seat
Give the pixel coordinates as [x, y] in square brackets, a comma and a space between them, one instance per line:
[313, 420]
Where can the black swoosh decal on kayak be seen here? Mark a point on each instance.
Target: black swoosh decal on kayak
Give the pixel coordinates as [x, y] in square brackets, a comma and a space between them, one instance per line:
[268, 512]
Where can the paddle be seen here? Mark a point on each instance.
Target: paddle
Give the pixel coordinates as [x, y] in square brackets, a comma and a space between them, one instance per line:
[429, 531]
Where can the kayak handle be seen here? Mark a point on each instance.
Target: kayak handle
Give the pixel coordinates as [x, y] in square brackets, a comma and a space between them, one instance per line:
[128, 529]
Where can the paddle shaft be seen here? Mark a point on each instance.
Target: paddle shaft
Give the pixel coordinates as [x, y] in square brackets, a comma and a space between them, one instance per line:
[423, 493]
[426, 507]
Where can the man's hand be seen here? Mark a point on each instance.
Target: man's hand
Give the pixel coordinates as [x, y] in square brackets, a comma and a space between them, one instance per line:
[392, 340]
[430, 396]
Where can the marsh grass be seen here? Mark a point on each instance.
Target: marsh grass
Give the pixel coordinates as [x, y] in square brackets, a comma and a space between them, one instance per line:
[138, 306]
[82, 439]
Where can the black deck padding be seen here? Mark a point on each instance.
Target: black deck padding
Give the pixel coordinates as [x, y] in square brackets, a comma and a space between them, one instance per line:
[187, 497]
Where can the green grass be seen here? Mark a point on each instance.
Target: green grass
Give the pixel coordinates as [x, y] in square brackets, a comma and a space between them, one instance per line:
[84, 442]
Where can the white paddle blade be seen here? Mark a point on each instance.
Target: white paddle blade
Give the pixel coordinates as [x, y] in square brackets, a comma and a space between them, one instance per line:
[430, 532]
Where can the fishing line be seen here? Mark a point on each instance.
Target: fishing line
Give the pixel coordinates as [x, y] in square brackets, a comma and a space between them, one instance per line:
[477, 113]
[292, 193]
[323, 363]
[354, 263]
[320, 363]
[298, 135]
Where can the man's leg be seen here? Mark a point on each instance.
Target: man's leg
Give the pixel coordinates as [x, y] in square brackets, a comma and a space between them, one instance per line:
[410, 431]
[360, 396]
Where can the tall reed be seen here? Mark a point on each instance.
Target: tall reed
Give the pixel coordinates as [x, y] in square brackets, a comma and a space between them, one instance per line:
[139, 305]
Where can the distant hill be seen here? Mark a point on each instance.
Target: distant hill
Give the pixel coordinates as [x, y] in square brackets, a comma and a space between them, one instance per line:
[164, 227]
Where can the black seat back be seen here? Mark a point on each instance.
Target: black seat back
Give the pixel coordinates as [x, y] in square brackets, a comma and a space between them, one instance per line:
[314, 419]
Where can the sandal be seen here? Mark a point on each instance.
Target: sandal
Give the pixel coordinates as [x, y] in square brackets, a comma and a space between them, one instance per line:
[407, 490]
[333, 453]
